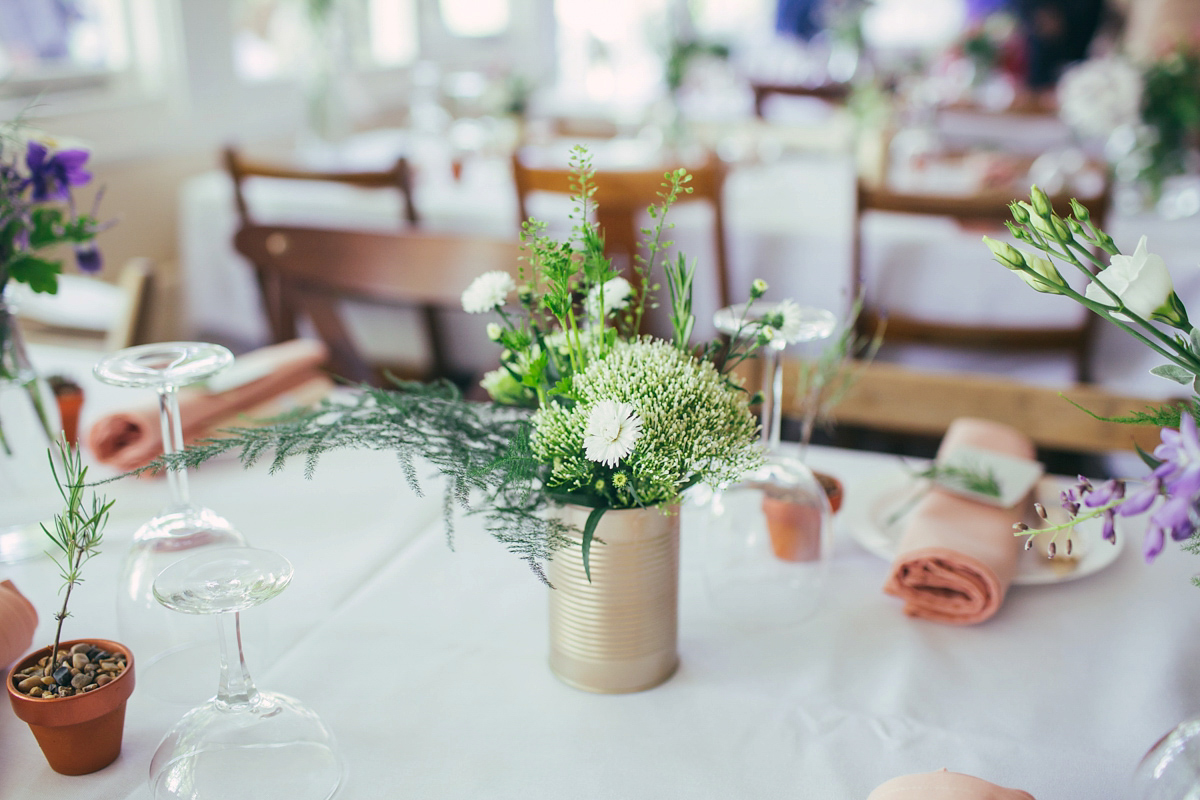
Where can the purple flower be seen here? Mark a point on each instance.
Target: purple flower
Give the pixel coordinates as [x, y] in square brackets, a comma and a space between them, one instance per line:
[88, 257]
[1178, 477]
[52, 177]
[1142, 499]
[1105, 494]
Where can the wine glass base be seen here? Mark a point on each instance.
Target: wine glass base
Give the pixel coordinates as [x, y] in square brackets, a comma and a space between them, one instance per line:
[272, 747]
[22, 543]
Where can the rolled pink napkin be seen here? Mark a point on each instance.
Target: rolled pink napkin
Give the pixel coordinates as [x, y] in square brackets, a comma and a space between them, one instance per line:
[18, 621]
[957, 556]
[130, 439]
[943, 785]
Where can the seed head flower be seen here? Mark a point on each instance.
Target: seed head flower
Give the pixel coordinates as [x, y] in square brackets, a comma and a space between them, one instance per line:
[487, 292]
[612, 431]
[758, 288]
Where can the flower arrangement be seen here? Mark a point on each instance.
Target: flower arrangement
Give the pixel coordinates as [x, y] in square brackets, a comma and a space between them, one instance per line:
[587, 410]
[1136, 294]
[1098, 96]
[37, 215]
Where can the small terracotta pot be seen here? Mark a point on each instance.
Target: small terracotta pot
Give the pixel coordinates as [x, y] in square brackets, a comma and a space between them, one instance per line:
[19, 621]
[70, 402]
[82, 733]
[795, 528]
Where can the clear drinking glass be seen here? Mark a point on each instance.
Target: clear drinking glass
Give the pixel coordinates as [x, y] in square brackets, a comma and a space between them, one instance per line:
[1171, 770]
[767, 538]
[243, 742]
[174, 653]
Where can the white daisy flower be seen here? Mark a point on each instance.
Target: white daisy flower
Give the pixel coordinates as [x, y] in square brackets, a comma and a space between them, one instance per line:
[487, 292]
[792, 323]
[612, 430]
[616, 294]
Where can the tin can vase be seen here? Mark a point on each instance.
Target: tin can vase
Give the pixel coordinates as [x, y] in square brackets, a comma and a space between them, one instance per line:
[617, 633]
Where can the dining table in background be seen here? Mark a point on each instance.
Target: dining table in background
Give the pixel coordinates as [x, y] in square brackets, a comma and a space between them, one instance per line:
[429, 662]
[790, 217]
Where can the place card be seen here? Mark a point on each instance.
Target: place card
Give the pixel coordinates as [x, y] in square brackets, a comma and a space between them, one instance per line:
[959, 472]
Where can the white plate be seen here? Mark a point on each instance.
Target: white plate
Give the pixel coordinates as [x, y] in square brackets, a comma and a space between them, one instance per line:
[871, 523]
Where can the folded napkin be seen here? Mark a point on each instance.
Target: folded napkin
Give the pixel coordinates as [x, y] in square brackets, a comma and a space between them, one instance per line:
[264, 383]
[18, 621]
[943, 785]
[957, 556]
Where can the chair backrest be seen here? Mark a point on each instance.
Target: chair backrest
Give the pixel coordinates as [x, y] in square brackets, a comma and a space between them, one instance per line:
[314, 270]
[623, 194]
[894, 399]
[984, 209]
[91, 313]
[240, 168]
[834, 93]
[136, 282]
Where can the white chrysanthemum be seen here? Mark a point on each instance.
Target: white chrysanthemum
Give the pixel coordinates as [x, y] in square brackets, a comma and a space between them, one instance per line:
[487, 292]
[1100, 95]
[616, 294]
[612, 430]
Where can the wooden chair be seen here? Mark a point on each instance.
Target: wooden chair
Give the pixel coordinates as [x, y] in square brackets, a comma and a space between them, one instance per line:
[317, 269]
[895, 399]
[124, 302]
[622, 195]
[981, 210]
[240, 169]
[833, 93]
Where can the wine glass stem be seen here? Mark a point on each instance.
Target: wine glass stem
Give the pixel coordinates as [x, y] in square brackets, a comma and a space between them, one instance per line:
[172, 436]
[236, 686]
[772, 410]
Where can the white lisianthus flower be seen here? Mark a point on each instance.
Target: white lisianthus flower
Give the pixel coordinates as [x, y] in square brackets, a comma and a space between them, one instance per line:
[612, 430]
[1100, 95]
[487, 292]
[1141, 281]
[616, 293]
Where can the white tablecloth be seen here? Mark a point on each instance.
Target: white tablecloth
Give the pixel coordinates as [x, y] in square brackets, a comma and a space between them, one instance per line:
[1060, 693]
[789, 221]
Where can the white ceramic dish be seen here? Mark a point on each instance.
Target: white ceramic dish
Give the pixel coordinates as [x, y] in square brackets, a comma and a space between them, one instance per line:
[871, 519]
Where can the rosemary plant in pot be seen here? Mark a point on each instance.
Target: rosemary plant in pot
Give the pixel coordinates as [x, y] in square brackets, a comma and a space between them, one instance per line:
[37, 216]
[595, 433]
[72, 694]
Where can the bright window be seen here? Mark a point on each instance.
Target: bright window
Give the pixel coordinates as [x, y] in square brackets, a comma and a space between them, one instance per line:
[475, 18]
[63, 44]
[275, 38]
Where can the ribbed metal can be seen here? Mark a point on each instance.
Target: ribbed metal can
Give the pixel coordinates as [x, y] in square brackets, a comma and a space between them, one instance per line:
[619, 632]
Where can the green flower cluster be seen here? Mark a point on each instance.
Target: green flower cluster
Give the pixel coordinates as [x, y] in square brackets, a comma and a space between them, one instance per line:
[696, 427]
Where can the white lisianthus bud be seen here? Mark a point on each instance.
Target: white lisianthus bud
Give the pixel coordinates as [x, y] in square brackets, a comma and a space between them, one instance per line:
[1041, 203]
[1005, 253]
[758, 288]
[1047, 280]
[494, 331]
[1141, 281]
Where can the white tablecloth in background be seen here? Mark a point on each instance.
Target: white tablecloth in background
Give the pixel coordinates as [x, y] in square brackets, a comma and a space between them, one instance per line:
[789, 221]
[1060, 693]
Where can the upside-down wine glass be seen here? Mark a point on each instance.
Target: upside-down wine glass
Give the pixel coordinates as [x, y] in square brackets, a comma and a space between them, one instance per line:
[174, 653]
[243, 742]
[768, 537]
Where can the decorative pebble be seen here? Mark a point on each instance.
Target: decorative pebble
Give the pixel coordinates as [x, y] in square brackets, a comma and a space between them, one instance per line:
[91, 686]
[30, 682]
[62, 675]
[48, 680]
[80, 648]
[79, 660]
[101, 680]
[35, 691]
[79, 681]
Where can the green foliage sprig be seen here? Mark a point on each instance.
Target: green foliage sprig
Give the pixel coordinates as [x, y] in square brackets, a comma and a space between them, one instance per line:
[77, 532]
[1171, 108]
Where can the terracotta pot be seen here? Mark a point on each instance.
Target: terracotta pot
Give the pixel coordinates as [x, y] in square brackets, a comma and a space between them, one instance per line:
[18, 621]
[69, 404]
[618, 632]
[795, 527]
[82, 733]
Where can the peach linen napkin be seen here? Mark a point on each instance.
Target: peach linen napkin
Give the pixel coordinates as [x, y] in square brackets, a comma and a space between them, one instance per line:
[18, 621]
[943, 785]
[267, 382]
[957, 556]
